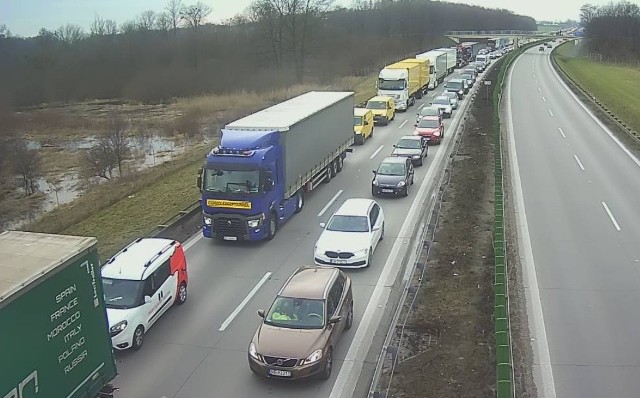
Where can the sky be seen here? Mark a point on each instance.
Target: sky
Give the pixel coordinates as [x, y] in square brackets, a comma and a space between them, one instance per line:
[26, 17]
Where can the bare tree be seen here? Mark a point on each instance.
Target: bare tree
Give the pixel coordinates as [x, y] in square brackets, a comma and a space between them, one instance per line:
[55, 185]
[163, 22]
[587, 12]
[99, 160]
[147, 20]
[128, 27]
[102, 27]
[174, 12]
[195, 14]
[118, 140]
[4, 31]
[70, 34]
[26, 163]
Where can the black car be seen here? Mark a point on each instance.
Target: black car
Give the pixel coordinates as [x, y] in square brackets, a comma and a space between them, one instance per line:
[413, 147]
[456, 86]
[541, 48]
[393, 177]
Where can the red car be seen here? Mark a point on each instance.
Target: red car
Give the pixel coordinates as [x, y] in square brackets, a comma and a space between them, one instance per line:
[431, 128]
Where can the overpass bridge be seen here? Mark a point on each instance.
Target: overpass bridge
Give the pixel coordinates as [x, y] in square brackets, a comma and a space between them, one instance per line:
[467, 35]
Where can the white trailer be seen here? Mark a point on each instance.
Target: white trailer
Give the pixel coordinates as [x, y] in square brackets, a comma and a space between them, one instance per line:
[452, 58]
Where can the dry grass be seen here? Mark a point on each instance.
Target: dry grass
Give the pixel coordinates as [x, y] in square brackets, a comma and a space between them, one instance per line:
[56, 160]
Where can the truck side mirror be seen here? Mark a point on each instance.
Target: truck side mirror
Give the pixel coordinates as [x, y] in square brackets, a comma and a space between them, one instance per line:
[199, 179]
[268, 181]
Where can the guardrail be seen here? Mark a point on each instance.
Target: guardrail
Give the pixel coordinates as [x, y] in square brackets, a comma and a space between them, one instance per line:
[592, 98]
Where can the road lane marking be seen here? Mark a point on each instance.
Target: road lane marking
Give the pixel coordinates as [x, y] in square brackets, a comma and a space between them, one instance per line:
[420, 107]
[376, 152]
[402, 125]
[544, 99]
[562, 132]
[187, 245]
[432, 94]
[244, 302]
[326, 207]
[579, 162]
[594, 117]
[539, 89]
[538, 329]
[550, 113]
[611, 217]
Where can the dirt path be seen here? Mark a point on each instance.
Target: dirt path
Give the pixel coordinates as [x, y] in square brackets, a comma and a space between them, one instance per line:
[448, 348]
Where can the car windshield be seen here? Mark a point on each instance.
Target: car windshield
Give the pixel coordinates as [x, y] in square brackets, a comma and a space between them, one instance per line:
[231, 181]
[122, 293]
[409, 144]
[468, 77]
[441, 101]
[296, 313]
[429, 112]
[428, 123]
[342, 223]
[451, 95]
[390, 84]
[391, 169]
[357, 120]
[454, 85]
[376, 105]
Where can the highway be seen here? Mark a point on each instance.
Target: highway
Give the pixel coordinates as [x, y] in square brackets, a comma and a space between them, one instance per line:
[200, 349]
[577, 193]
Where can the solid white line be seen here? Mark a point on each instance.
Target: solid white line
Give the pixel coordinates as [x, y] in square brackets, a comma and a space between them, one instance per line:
[594, 117]
[539, 330]
[421, 105]
[550, 113]
[544, 99]
[244, 302]
[376, 152]
[187, 245]
[613, 219]
[402, 125]
[326, 207]
[562, 132]
[579, 162]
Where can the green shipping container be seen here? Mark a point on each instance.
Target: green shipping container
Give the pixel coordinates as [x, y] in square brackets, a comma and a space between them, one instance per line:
[54, 340]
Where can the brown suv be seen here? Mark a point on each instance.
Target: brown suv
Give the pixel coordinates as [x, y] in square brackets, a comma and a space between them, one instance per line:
[297, 336]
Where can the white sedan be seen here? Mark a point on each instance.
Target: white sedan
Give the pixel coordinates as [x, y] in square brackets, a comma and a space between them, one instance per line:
[351, 235]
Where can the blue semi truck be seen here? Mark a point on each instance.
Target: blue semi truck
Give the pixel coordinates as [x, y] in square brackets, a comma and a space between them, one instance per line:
[257, 177]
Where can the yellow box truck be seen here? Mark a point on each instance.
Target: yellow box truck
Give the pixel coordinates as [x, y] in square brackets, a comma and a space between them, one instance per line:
[401, 82]
[424, 74]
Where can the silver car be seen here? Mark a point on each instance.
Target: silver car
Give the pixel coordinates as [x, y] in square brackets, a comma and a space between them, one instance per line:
[453, 97]
[444, 103]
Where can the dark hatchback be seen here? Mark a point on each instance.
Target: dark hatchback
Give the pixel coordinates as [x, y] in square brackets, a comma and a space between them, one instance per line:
[413, 147]
[393, 177]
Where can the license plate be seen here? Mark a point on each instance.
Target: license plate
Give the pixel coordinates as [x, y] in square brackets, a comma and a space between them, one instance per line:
[338, 261]
[230, 238]
[280, 373]
[387, 190]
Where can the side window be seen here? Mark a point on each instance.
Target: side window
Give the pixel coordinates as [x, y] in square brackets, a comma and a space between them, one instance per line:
[161, 274]
[149, 289]
[373, 214]
[334, 298]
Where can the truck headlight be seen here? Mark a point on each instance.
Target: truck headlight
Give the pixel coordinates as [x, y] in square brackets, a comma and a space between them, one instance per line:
[255, 223]
[314, 357]
[401, 184]
[207, 220]
[118, 327]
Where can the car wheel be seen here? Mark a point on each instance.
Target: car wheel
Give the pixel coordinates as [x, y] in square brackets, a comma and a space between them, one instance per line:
[370, 258]
[382, 232]
[385, 121]
[406, 191]
[182, 294]
[349, 323]
[328, 366]
[373, 191]
[138, 338]
[420, 162]
[273, 226]
[299, 201]
[371, 135]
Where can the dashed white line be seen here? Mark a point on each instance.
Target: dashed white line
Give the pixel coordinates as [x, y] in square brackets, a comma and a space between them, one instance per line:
[402, 125]
[244, 302]
[326, 207]
[544, 99]
[579, 162]
[561, 132]
[376, 152]
[539, 89]
[550, 113]
[421, 105]
[613, 219]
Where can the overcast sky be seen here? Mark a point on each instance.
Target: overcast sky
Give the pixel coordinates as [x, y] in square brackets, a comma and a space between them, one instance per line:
[26, 17]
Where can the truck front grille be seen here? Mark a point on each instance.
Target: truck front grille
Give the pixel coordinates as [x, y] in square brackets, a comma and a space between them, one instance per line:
[229, 227]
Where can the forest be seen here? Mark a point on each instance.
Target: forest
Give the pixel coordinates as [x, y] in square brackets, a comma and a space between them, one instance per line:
[612, 30]
[169, 53]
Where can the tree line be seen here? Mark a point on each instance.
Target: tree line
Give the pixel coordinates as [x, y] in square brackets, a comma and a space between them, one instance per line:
[171, 53]
[613, 29]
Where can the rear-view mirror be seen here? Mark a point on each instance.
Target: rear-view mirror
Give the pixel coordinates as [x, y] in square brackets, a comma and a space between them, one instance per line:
[199, 183]
[335, 319]
[374, 172]
[375, 228]
[322, 225]
[261, 313]
[147, 299]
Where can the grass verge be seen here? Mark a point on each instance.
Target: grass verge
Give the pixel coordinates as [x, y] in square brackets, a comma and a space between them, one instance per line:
[615, 86]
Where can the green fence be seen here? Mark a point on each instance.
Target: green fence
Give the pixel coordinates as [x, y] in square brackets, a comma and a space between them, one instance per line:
[504, 359]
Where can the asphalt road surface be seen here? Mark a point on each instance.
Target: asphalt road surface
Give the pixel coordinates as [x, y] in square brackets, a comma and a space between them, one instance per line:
[200, 349]
[578, 208]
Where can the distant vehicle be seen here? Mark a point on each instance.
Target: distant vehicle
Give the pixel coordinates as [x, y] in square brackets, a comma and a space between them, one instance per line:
[394, 176]
[484, 58]
[351, 235]
[470, 70]
[469, 78]
[362, 125]
[541, 48]
[457, 86]
[412, 147]
[383, 108]
[453, 97]
[549, 45]
[429, 111]
[401, 82]
[451, 56]
[480, 66]
[141, 282]
[431, 129]
[443, 103]
[298, 334]
[437, 66]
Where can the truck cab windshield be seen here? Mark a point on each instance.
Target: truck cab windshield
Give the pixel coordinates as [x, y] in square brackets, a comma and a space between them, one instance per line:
[231, 181]
[122, 293]
[391, 84]
[357, 120]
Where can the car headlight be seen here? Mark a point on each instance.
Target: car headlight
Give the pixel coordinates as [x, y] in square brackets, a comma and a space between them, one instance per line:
[375, 183]
[118, 327]
[253, 352]
[256, 222]
[314, 357]
[401, 184]
[207, 220]
[362, 252]
[416, 156]
[461, 92]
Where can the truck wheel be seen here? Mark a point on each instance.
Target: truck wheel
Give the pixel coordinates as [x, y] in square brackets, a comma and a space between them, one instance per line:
[273, 225]
[339, 164]
[182, 294]
[419, 94]
[327, 177]
[332, 168]
[299, 201]
[138, 338]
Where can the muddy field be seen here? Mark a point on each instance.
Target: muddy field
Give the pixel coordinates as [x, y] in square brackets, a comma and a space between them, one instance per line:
[448, 343]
